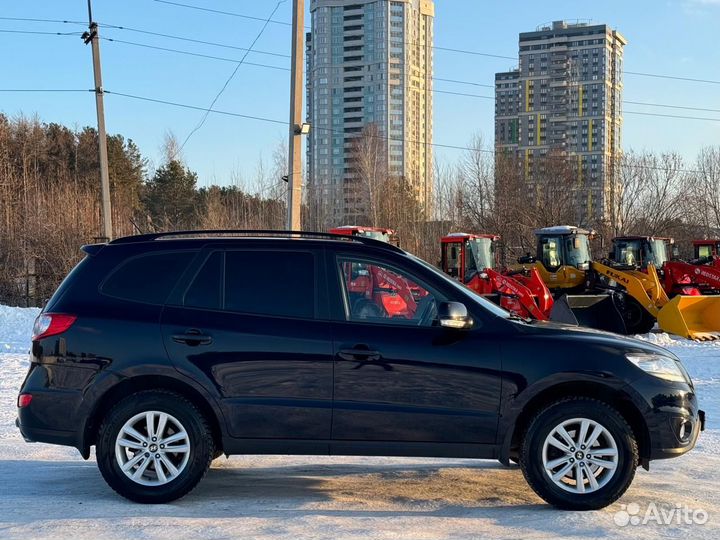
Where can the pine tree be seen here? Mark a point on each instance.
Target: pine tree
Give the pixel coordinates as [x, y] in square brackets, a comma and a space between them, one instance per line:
[171, 197]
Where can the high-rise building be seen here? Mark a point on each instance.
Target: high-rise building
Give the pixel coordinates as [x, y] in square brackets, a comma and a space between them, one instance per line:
[369, 67]
[566, 98]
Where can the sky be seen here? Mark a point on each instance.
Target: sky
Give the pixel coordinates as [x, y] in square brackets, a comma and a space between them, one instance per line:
[667, 37]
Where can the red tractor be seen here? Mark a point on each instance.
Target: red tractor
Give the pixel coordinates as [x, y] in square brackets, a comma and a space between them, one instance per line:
[678, 277]
[472, 259]
[707, 252]
[376, 233]
[376, 291]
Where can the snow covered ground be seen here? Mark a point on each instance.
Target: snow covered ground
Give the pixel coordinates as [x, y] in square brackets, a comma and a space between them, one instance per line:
[50, 492]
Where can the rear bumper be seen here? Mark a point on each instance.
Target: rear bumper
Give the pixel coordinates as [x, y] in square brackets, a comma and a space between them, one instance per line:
[50, 436]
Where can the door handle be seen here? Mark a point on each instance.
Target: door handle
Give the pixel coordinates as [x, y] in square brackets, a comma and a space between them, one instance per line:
[357, 353]
[193, 338]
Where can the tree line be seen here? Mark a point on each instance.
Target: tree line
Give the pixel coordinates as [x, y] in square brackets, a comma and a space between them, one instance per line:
[49, 199]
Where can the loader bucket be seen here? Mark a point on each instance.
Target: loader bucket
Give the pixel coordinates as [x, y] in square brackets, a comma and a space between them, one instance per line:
[693, 317]
[592, 310]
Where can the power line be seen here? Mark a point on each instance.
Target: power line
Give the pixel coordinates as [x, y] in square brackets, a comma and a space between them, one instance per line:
[280, 68]
[435, 91]
[196, 108]
[23, 19]
[231, 77]
[40, 33]
[474, 53]
[476, 96]
[192, 40]
[655, 75]
[675, 116]
[336, 132]
[464, 82]
[188, 53]
[670, 106]
[19, 90]
[234, 14]
[220, 12]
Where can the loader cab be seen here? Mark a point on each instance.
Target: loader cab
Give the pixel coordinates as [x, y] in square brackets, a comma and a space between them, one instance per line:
[563, 246]
[639, 251]
[465, 256]
[563, 256]
[706, 250]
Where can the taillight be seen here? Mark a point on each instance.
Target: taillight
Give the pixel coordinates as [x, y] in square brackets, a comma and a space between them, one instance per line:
[24, 400]
[51, 324]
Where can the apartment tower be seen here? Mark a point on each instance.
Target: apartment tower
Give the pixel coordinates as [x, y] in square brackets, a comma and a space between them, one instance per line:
[566, 97]
[369, 67]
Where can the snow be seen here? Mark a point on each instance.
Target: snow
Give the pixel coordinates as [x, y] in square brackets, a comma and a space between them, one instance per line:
[50, 492]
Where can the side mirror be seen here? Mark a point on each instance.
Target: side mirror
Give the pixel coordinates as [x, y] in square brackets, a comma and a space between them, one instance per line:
[454, 315]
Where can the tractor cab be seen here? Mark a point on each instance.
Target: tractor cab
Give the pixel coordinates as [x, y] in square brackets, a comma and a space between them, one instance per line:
[639, 251]
[376, 233]
[706, 250]
[563, 256]
[465, 256]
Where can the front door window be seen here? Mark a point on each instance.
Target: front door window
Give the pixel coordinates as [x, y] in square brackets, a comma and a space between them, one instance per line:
[378, 293]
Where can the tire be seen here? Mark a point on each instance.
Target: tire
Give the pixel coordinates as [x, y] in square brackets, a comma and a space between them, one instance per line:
[185, 429]
[565, 493]
[637, 318]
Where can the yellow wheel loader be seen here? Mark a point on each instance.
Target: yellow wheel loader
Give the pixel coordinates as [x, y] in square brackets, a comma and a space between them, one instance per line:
[613, 297]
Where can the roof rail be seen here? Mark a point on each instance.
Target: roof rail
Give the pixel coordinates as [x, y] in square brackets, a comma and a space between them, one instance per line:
[253, 233]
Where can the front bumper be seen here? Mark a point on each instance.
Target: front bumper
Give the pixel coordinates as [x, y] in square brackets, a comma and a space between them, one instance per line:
[672, 416]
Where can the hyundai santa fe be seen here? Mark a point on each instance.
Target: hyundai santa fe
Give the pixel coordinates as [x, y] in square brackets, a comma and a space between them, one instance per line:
[165, 351]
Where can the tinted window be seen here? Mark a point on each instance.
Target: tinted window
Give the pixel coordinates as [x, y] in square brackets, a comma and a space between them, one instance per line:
[206, 289]
[148, 278]
[277, 283]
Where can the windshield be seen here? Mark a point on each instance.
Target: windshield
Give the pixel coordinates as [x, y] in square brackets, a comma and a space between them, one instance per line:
[628, 252]
[641, 253]
[489, 306]
[577, 248]
[481, 254]
[659, 255]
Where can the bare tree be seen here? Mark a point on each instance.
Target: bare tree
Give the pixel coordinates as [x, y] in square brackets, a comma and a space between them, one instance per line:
[705, 190]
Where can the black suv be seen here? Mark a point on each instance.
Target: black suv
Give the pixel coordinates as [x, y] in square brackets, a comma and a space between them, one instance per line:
[165, 351]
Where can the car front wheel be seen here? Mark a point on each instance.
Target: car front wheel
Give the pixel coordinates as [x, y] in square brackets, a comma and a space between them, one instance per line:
[579, 454]
[154, 447]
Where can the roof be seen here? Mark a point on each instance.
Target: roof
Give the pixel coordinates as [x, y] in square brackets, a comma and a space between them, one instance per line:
[359, 228]
[638, 237]
[710, 242]
[231, 234]
[452, 237]
[562, 229]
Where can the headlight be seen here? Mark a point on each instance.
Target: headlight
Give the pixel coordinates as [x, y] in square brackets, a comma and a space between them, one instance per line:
[659, 366]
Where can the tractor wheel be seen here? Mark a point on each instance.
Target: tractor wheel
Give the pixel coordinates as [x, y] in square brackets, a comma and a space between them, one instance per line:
[637, 318]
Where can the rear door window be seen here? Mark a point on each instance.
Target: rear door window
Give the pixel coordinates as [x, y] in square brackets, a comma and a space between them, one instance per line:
[206, 290]
[256, 282]
[278, 283]
[148, 279]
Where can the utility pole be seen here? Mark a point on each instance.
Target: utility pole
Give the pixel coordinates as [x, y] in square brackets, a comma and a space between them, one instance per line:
[92, 36]
[297, 127]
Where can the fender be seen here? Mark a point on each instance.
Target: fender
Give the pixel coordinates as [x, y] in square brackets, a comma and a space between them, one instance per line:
[551, 388]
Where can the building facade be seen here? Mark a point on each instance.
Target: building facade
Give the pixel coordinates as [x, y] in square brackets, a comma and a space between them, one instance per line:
[369, 67]
[566, 98]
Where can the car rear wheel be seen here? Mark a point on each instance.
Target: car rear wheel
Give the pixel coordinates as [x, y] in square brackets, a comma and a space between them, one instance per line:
[154, 447]
[579, 454]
